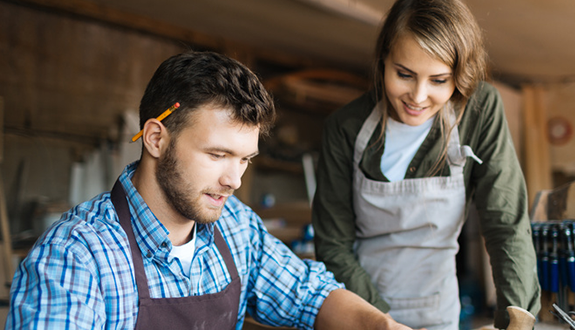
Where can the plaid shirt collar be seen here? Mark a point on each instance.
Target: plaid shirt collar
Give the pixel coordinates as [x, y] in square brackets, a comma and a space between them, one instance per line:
[151, 235]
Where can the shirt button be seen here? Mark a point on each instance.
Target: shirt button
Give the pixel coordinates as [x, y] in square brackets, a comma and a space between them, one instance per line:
[412, 169]
[149, 255]
[164, 244]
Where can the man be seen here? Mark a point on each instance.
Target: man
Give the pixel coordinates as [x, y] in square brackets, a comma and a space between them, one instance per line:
[170, 247]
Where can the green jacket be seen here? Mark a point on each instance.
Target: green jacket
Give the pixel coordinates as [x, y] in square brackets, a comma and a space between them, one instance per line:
[497, 188]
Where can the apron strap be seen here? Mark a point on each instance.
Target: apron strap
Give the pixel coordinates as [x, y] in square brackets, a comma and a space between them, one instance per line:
[118, 197]
[456, 153]
[455, 159]
[365, 133]
[225, 252]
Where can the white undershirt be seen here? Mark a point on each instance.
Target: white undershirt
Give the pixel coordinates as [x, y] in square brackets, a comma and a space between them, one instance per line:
[185, 253]
[401, 143]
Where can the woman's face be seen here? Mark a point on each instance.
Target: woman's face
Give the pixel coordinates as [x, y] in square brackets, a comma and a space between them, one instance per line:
[416, 84]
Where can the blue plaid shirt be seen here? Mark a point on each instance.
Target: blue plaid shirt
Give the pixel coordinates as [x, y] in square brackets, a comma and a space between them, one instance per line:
[79, 274]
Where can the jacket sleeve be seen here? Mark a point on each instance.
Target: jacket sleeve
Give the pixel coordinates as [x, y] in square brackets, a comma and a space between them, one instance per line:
[501, 199]
[333, 216]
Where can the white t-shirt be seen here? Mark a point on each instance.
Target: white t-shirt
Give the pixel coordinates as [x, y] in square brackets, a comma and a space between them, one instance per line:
[401, 143]
[185, 253]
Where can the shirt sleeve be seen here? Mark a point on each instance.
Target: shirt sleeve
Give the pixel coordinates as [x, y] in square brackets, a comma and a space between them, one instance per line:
[501, 200]
[54, 289]
[333, 216]
[284, 290]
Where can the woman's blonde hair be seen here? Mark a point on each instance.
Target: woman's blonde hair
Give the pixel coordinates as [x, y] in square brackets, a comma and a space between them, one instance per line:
[447, 31]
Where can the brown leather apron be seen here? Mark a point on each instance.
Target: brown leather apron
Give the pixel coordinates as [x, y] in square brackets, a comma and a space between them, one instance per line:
[210, 311]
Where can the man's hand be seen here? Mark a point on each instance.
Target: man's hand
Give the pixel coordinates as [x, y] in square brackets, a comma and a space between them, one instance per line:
[343, 309]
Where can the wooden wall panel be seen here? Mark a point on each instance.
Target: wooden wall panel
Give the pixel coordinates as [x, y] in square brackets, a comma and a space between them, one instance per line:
[513, 102]
[538, 174]
[63, 74]
[561, 111]
[64, 80]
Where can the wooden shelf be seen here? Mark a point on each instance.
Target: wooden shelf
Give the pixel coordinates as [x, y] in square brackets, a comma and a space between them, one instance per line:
[268, 163]
[317, 90]
[287, 222]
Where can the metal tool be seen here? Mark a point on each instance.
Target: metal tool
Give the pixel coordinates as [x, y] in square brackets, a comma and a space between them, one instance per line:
[545, 258]
[569, 256]
[554, 260]
[565, 317]
[536, 229]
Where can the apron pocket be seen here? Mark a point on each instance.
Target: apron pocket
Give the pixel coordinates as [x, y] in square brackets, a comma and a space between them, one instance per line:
[416, 312]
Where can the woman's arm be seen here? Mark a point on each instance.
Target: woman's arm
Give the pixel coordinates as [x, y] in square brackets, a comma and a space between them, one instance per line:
[501, 200]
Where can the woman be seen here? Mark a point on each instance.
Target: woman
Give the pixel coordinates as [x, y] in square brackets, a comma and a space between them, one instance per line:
[400, 164]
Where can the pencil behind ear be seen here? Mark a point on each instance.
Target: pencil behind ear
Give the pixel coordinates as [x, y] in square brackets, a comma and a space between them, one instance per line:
[160, 118]
[155, 137]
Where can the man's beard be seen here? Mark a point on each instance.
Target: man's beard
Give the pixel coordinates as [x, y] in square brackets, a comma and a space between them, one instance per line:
[178, 192]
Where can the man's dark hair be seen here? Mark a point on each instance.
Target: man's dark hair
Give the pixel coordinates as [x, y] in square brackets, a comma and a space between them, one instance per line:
[195, 79]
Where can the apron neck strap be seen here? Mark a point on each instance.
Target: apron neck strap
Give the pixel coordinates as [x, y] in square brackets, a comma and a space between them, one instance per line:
[366, 132]
[456, 158]
[118, 197]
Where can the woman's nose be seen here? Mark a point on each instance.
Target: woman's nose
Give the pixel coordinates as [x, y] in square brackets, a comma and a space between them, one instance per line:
[419, 93]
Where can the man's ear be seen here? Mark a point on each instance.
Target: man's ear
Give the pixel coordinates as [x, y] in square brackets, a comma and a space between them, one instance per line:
[155, 137]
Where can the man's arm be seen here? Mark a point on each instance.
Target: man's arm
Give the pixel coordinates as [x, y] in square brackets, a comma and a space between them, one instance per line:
[54, 289]
[343, 309]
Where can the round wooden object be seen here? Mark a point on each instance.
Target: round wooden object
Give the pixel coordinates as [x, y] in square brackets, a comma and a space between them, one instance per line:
[520, 319]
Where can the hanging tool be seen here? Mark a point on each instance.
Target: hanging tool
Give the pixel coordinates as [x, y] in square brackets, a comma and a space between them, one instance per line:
[536, 230]
[554, 260]
[544, 256]
[561, 234]
[569, 255]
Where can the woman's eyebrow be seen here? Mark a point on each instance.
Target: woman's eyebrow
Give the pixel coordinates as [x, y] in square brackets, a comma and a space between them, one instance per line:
[414, 73]
[404, 68]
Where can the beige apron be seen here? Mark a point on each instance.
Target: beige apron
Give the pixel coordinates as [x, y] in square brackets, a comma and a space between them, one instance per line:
[407, 236]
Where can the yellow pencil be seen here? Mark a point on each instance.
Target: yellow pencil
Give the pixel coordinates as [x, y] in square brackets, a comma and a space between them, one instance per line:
[160, 118]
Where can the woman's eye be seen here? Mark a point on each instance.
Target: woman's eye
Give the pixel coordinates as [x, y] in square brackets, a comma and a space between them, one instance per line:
[439, 81]
[216, 156]
[403, 75]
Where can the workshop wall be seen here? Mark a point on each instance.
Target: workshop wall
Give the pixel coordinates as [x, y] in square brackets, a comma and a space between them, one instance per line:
[513, 103]
[64, 74]
[65, 81]
[560, 107]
